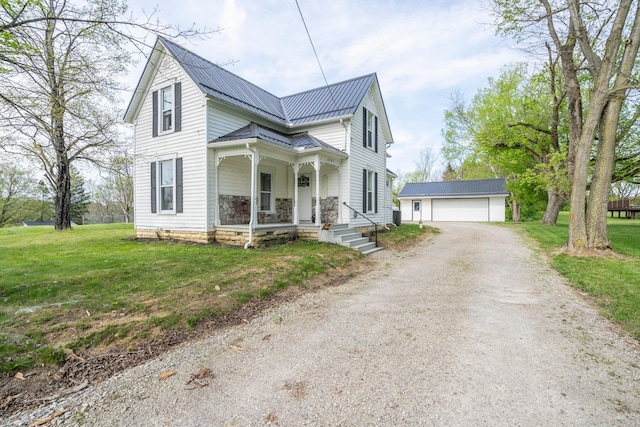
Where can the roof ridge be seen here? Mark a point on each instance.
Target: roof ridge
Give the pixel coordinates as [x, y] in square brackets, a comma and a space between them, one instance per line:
[216, 65]
[329, 86]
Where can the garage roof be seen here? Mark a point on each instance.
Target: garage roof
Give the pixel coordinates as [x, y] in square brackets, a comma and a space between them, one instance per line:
[479, 187]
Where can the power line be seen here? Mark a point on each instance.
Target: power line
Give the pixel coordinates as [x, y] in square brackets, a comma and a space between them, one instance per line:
[317, 57]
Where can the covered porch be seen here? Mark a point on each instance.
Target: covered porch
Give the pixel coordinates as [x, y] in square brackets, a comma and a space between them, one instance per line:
[266, 186]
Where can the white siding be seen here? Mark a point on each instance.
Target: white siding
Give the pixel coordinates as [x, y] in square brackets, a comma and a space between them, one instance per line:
[365, 158]
[189, 144]
[454, 209]
[334, 134]
[220, 122]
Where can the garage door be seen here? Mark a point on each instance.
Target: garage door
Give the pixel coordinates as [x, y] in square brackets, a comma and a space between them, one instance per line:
[460, 209]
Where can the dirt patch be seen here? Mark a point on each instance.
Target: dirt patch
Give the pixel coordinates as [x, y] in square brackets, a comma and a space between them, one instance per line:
[44, 385]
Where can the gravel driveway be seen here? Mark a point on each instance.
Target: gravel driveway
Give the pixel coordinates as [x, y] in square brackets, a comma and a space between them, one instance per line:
[467, 328]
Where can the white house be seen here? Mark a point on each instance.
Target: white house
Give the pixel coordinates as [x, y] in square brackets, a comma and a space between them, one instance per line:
[477, 200]
[220, 159]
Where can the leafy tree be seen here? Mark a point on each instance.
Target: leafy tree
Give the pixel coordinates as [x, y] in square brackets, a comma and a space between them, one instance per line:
[16, 186]
[601, 38]
[58, 82]
[449, 173]
[117, 187]
[80, 198]
[512, 130]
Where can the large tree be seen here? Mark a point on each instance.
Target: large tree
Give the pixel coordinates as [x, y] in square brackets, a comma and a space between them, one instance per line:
[600, 38]
[59, 64]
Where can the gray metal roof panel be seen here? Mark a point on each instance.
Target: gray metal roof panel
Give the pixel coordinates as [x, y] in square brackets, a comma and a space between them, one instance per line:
[299, 140]
[336, 100]
[222, 84]
[480, 187]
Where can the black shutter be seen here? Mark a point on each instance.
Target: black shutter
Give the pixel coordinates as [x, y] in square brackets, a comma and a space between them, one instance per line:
[376, 132]
[375, 191]
[364, 127]
[364, 190]
[177, 96]
[179, 185]
[154, 120]
[154, 193]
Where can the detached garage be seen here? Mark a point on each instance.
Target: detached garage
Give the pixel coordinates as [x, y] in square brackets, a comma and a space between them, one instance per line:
[478, 201]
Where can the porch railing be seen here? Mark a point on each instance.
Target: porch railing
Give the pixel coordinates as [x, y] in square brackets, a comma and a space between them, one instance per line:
[363, 216]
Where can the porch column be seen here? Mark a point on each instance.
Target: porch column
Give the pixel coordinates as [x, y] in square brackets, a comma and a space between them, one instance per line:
[296, 215]
[316, 165]
[339, 194]
[216, 190]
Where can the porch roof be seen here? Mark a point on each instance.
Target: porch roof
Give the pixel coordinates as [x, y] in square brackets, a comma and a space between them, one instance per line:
[299, 141]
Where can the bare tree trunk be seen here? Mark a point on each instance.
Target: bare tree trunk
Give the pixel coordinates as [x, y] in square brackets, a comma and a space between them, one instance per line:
[605, 158]
[515, 210]
[63, 195]
[554, 204]
[602, 70]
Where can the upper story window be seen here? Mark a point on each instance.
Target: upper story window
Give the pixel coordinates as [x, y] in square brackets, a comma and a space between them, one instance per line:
[369, 130]
[370, 123]
[167, 109]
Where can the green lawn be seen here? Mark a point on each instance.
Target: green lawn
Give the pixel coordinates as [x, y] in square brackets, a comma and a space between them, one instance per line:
[96, 286]
[615, 281]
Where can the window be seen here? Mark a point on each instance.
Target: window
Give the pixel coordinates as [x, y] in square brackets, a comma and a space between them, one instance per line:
[369, 191]
[416, 205]
[166, 186]
[370, 123]
[265, 191]
[369, 130]
[166, 109]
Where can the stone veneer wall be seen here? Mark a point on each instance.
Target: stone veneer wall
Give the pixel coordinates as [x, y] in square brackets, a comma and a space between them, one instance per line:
[328, 209]
[236, 210]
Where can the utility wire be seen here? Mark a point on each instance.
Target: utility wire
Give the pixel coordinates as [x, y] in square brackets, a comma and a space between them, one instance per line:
[335, 104]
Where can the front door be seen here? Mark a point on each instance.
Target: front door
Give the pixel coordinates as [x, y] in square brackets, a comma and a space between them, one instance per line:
[304, 198]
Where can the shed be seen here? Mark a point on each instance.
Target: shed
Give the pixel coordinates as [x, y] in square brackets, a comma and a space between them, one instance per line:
[476, 200]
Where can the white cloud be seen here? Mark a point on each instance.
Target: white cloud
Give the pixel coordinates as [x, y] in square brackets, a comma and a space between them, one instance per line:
[421, 50]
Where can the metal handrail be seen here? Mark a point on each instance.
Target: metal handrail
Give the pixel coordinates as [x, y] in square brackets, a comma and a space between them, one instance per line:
[363, 216]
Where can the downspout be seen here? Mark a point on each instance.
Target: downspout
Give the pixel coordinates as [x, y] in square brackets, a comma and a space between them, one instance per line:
[253, 194]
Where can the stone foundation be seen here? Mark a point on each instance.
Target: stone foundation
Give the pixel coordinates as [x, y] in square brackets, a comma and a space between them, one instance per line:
[231, 238]
[187, 236]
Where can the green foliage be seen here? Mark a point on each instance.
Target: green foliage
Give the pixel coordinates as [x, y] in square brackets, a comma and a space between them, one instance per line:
[509, 131]
[80, 198]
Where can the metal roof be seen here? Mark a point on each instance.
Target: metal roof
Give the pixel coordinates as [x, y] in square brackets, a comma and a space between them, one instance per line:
[480, 187]
[321, 103]
[300, 140]
[329, 101]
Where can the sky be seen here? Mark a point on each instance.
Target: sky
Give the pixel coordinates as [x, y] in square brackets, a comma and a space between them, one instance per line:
[422, 52]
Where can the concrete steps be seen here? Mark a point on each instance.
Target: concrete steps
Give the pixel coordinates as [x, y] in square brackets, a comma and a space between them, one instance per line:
[342, 235]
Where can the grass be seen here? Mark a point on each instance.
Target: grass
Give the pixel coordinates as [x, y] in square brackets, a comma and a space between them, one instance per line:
[95, 287]
[614, 281]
